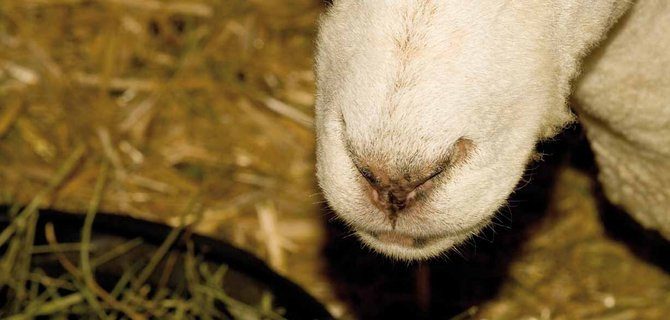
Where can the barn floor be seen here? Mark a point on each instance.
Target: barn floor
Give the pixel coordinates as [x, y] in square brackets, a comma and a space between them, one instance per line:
[210, 102]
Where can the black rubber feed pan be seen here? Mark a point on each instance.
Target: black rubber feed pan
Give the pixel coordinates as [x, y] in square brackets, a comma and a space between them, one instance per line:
[247, 278]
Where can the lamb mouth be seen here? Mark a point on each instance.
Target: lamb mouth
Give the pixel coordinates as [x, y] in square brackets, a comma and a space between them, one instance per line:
[403, 246]
[407, 241]
[402, 240]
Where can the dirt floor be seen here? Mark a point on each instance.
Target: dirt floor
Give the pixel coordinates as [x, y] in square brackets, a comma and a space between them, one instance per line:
[210, 102]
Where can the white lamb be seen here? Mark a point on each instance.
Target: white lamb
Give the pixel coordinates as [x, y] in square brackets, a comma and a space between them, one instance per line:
[429, 110]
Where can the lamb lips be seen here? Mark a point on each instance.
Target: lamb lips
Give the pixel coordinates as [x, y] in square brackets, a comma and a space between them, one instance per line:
[396, 238]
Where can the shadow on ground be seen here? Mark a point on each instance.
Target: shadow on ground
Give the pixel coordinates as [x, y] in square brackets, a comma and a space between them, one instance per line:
[647, 245]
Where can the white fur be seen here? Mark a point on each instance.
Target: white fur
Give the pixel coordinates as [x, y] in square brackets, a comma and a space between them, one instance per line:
[623, 101]
[403, 80]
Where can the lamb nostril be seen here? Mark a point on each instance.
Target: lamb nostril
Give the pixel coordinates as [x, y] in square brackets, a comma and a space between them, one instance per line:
[368, 176]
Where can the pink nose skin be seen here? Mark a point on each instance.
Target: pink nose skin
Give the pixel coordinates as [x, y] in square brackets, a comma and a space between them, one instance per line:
[395, 195]
[393, 199]
[394, 191]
